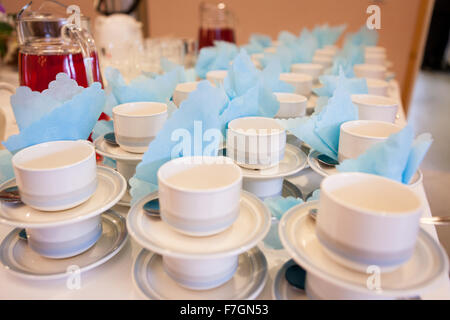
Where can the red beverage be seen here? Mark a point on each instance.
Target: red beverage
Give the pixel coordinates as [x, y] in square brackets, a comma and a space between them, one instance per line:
[206, 37]
[37, 71]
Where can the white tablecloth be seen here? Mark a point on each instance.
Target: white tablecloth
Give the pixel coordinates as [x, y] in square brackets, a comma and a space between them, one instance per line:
[113, 280]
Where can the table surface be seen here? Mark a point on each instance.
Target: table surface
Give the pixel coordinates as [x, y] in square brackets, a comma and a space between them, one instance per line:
[113, 279]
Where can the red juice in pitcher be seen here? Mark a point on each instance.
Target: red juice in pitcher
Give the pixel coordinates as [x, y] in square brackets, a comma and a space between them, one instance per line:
[206, 37]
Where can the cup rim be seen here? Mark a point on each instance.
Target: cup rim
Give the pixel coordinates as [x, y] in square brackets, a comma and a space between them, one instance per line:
[117, 109]
[225, 160]
[37, 146]
[377, 83]
[295, 77]
[370, 212]
[370, 67]
[307, 66]
[185, 87]
[387, 101]
[346, 125]
[296, 98]
[243, 132]
[217, 74]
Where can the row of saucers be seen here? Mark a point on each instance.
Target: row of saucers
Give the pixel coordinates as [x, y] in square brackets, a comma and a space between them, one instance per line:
[365, 242]
[203, 243]
[136, 124]
[64, 210]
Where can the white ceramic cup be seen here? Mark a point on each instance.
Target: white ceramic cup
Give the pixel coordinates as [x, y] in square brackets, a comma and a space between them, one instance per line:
[369, 71]
[216, 77]
[315, 70]
[377, 87]
[332, 47]
[291, 105]
[301, 82]
[272, 49]
[325, 61]
[375, 49]
[56, 175]
[357, 136]
[182, 91]
[375, 58]
[199, 196]
[200, 274]
[136, 124]
[372, 107]
[65, 241]
[325, 52]
[255, 142]
[367, 220]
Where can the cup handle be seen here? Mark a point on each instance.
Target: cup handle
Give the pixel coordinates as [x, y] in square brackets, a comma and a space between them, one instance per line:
[8, 87]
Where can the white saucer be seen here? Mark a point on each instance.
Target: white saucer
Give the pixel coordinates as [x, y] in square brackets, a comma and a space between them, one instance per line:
[317, 167]
[17, 257]
[282, 290]
[110, 188]
[327, 171]
[247, 282]
[115, 152]
[250, 227]
[294, 160]
[126, 200]
[427, 266]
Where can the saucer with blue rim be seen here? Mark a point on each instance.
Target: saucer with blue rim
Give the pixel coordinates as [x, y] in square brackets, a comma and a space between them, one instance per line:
[105, 149]
[18, 258]
[282, 289]
[425, 269]
[247, 282]
[111, 186]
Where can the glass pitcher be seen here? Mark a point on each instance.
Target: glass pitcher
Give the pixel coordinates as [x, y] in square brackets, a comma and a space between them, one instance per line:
[216, 23]
[48, 45]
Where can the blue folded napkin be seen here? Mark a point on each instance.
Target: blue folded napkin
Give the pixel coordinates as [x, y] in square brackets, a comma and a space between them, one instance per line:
[363, 36]
[184, 75]
[286, 37]
[198, 126]
[6, 168]
[261, 39]
[283, 55]
[215, 58]
[321, 130]
[142, 88]
[397, 158]
[327, 35]
[101, 128]
[350, 55]
[64, 112]
[329, 82]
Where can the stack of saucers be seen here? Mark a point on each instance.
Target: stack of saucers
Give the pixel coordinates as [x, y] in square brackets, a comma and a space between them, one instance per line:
[364, 242]
[136, 124]
[202, 245]
[258, 146]
[63, 206]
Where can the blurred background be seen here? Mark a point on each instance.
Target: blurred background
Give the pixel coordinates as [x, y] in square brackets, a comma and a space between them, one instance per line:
[414, 32]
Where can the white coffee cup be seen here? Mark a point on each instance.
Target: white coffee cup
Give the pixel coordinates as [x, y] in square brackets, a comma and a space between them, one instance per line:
[136, 124]
[216, 77]
[301, 82]
[313, 69]
[65, 241]
[291, 105]
[359, 135]
[255, 142]
[200, 274]
[369, 71]
[367, 220]
[272, 49]
[56, 175]
[332, 47]
[375, 58]
[375, 49]
[325, 61]
[325, 52]
[372, 107]
[377, 87]
[182, 91]
[199, 196]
